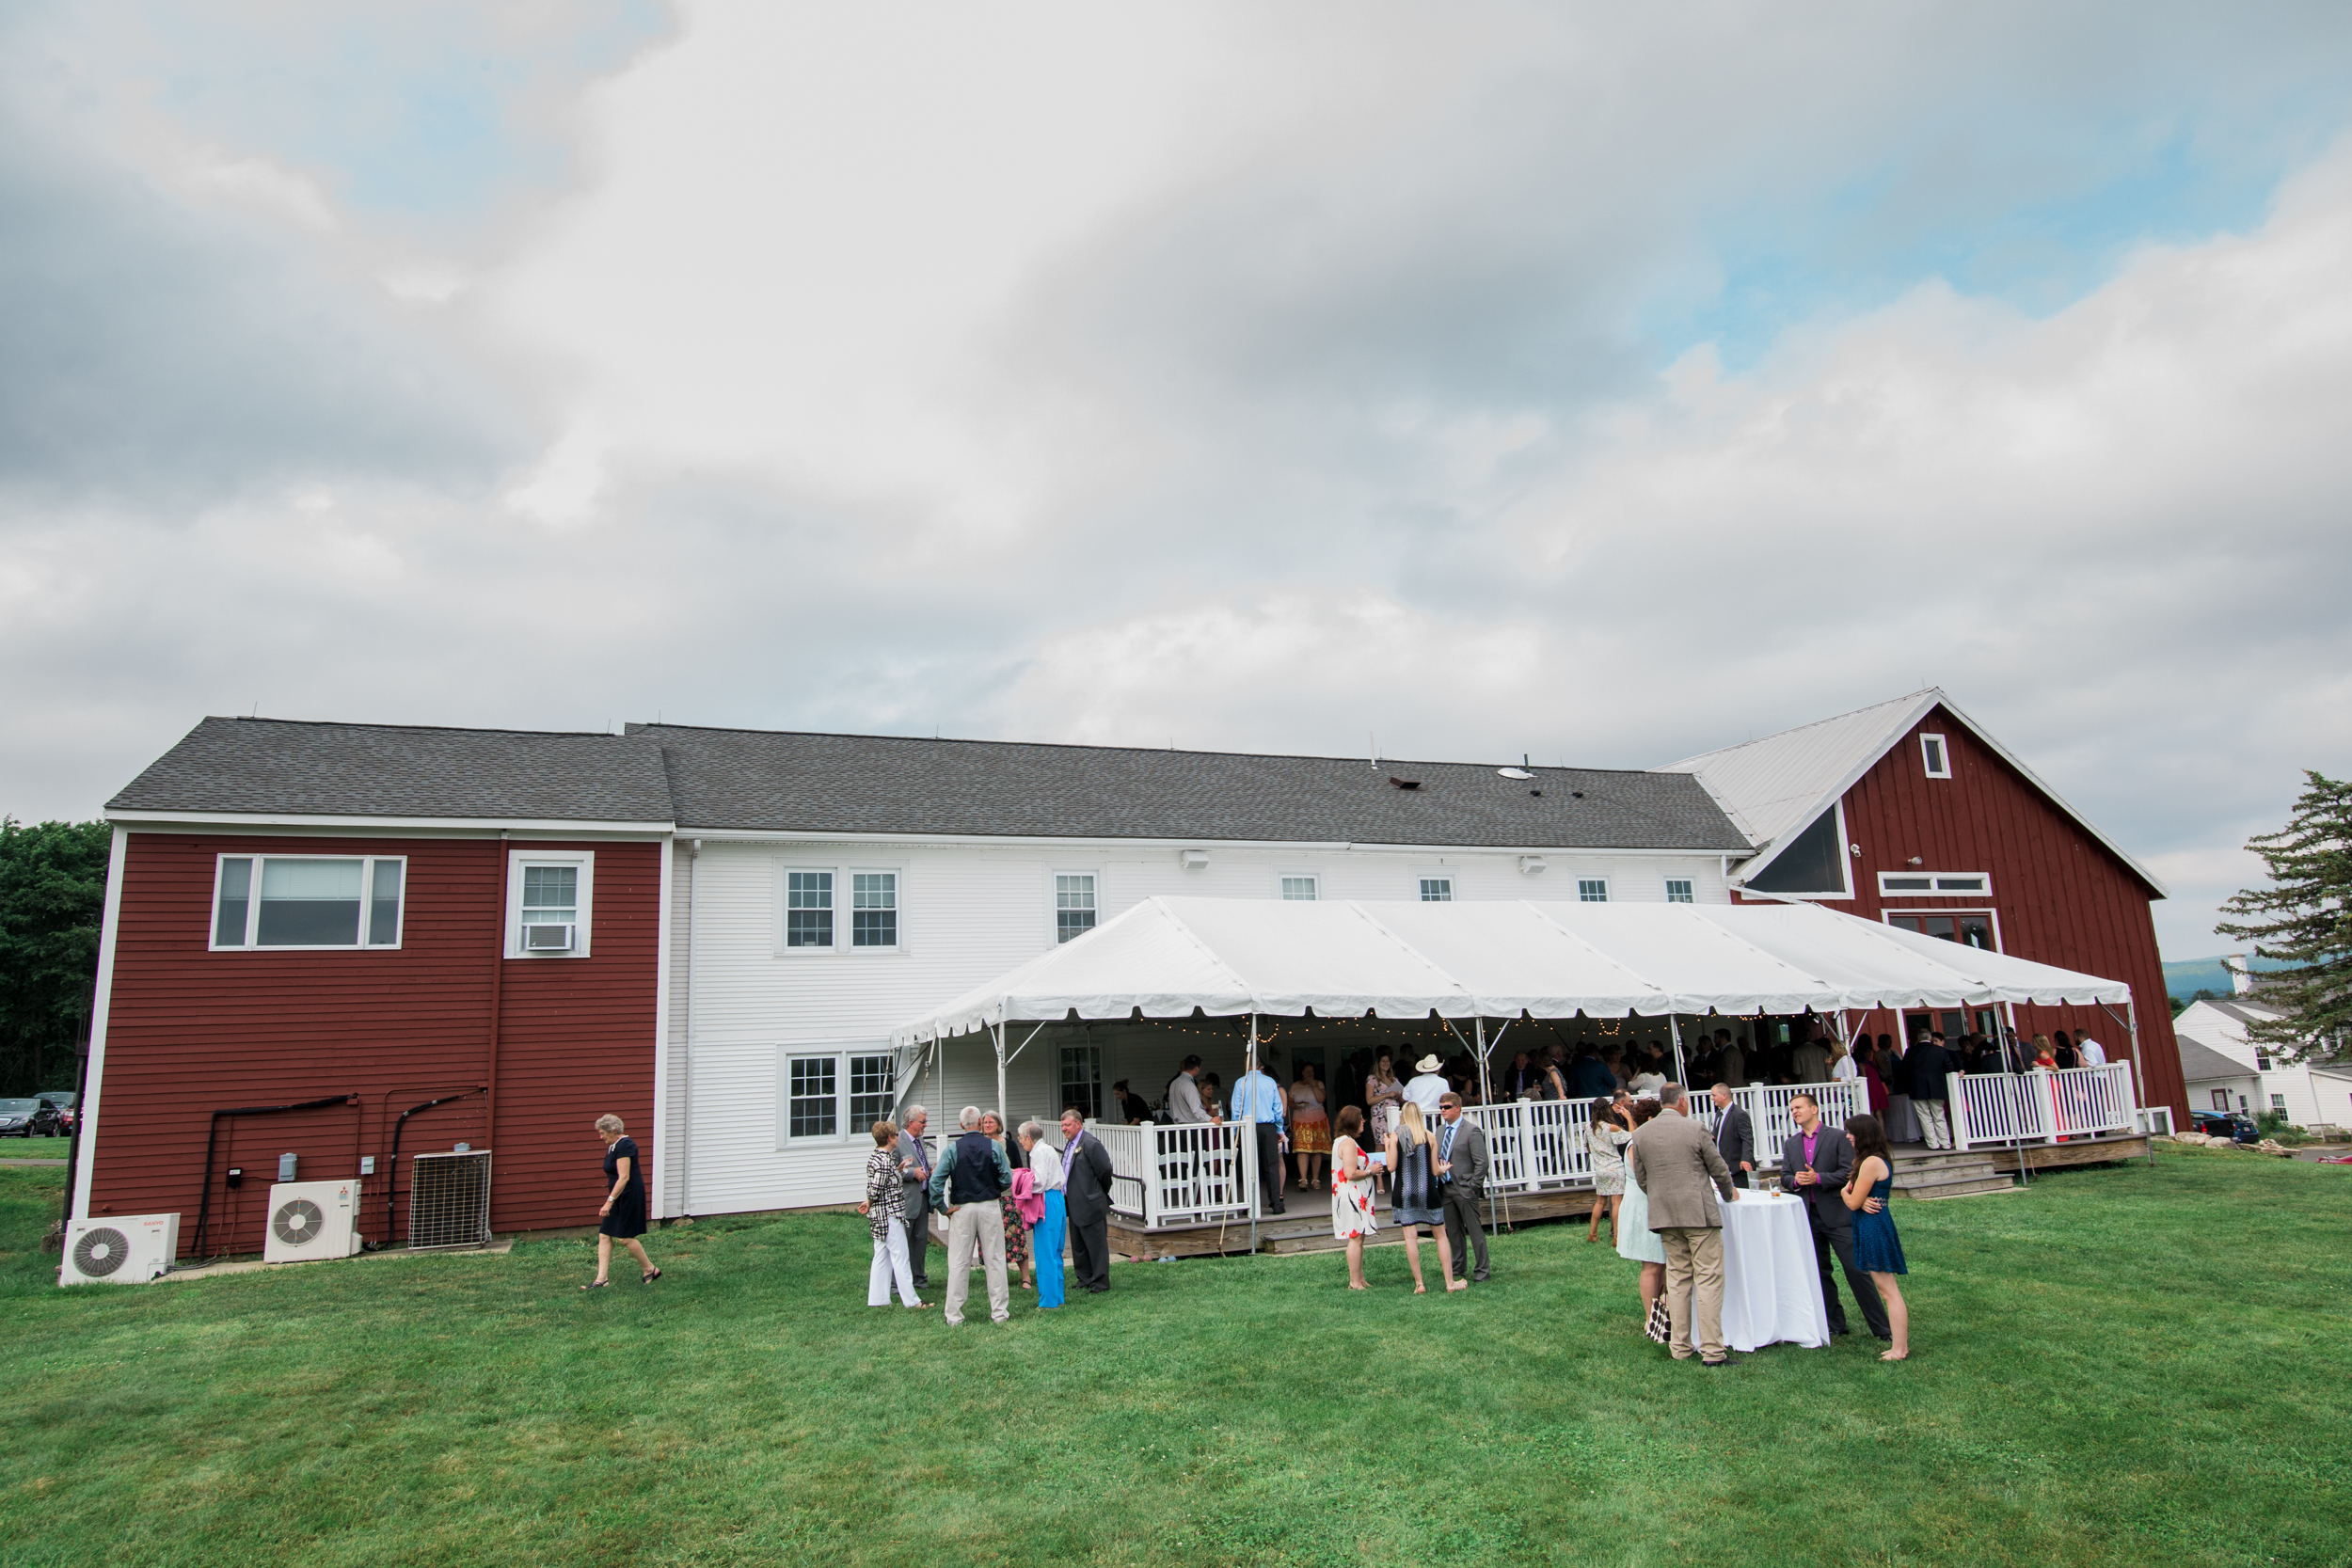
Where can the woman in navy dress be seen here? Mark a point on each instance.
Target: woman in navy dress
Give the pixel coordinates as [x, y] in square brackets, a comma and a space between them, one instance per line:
[1877, 1250]
[623, 1215]
[1416, 1197]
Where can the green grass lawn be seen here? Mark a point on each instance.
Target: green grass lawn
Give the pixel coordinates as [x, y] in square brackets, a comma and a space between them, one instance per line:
[34, 1149]
[2132, 1365]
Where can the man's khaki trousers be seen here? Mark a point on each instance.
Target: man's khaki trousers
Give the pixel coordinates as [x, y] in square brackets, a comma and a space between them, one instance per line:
[1695, 1269]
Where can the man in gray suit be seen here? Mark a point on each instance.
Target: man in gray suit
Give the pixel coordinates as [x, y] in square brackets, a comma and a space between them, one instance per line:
[1815, 1165]
[1676, 1163]
[1735, 1135]
[1086, 1167]
[915, 1169]
[1461, 1163]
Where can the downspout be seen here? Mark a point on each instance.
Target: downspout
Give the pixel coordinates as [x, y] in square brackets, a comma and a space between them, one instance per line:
[498, 976]
[686, 1115]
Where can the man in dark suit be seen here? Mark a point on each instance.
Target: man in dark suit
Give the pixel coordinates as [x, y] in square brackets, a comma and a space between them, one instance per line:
[1459, 1161]
[1087, 1195]
[1815, 1165]
[1735, 1135]
[1931, 1067]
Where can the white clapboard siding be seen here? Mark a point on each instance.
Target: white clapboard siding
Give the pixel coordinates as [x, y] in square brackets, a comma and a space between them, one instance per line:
[968, 913]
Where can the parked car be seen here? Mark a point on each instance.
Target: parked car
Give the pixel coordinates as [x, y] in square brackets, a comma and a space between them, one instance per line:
[67, 1103]
[26, 1118]
[2221, 1124]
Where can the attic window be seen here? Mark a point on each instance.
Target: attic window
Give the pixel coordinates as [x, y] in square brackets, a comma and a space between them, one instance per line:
[1404, 783]
[1938, 759]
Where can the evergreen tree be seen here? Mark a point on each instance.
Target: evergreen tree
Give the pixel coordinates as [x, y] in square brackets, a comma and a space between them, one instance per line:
[2304, 918]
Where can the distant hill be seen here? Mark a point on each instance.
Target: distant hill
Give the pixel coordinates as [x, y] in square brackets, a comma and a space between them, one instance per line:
[2186, 977]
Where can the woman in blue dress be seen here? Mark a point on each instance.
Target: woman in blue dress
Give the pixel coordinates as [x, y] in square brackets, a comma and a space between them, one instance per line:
[1877, 1250]
[1416, 1197]
[1636, 1242]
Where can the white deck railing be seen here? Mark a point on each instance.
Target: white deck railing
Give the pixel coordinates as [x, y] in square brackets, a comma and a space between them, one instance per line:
[2043, 1107]
[1172, 1176]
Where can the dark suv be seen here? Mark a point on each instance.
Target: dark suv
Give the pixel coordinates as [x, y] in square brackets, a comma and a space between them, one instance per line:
[2221, 1124]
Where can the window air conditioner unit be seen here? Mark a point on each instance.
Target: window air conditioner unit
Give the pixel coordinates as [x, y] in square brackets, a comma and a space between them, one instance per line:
[311, 1220]
[549, 939]
[449, 1200]
[129, 1250]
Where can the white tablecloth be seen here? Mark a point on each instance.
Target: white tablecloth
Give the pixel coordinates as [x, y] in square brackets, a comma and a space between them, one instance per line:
[1772, 1285]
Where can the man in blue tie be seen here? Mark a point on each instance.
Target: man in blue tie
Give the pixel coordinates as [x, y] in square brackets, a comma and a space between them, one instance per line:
[1258, 1104]
[1462, 1166]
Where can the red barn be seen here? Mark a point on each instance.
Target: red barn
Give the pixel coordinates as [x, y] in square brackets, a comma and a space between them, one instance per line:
[315, 945]
[1909, 813]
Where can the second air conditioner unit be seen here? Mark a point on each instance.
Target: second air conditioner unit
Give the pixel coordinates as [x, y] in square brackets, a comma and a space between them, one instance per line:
[311, 1220]
[550, 939]
[130, 1249]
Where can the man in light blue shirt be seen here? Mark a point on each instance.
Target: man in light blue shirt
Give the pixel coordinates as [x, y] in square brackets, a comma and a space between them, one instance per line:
[1257, 1101]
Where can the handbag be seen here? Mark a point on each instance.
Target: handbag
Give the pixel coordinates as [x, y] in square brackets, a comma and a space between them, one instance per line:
[1660, 1327]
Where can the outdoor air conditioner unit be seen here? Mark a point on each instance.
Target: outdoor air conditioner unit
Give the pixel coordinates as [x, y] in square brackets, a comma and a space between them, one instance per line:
[449, 1200]
[550, 939]
[130, 1250]
[311, 1220]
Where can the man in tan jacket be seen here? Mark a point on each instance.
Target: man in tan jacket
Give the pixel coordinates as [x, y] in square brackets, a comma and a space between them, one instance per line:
[1677, 1166]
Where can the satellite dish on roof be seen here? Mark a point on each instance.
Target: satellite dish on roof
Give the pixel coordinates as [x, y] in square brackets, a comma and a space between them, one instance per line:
[1514, 772]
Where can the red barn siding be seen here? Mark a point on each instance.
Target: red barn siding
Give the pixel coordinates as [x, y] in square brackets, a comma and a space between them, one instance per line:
[2062, 896]
[190, 1030]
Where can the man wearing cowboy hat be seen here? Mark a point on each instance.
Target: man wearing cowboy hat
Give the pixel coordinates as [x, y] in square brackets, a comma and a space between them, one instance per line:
[1425, 1090]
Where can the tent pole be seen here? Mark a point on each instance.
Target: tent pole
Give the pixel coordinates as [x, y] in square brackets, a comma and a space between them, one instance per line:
[1250, 1155]
[1000, 1081]
[1486, 1097]
[1674, 1028]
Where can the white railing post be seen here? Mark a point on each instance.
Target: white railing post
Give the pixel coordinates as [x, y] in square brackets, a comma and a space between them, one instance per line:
[1957, 1109]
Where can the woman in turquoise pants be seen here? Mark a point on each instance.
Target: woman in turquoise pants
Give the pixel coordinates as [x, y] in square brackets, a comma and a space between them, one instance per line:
[1046, 1240]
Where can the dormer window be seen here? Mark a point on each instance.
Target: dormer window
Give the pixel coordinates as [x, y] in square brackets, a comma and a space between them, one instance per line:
[1937, 758]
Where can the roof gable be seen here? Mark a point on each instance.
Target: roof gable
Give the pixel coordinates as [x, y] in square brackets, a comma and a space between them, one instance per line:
[1775, 787]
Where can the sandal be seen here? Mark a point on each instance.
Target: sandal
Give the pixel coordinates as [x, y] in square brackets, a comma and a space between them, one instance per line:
[596, 1285]
[648, 1278]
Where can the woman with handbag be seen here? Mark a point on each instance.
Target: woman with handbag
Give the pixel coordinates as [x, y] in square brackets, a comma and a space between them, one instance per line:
[1637, 1242]
[1417, 1202]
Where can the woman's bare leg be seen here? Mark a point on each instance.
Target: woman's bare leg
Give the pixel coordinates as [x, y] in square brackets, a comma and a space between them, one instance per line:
[637, 1250]
[1898, 1317]
[1445, 1258]
[1591, 1227]
[1617, 1201]
[1653, 1286]
[604, 1257]
[1355, 1263]
[1412, 1256]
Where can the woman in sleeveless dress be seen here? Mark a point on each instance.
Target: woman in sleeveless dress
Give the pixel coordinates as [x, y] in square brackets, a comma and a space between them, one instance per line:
[1636, 1242]
[1351, 1193]
[1415, 1200]
[1383, 1093]
[1605, 1138]
[1877, 1250]
[1310, 1128]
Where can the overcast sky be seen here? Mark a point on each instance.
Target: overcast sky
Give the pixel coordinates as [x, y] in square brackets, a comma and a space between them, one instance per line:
[1607, 384]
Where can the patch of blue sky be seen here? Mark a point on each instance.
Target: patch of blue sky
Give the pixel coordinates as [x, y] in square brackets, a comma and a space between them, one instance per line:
[421, 114]
[2030, 226]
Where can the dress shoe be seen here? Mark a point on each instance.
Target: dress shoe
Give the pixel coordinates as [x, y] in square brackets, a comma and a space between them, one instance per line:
[1480, 1277]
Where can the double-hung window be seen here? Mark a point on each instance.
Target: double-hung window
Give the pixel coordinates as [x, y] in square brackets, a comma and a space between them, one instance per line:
[330, 901]
[1081, 1080]
[839, 909]
[549, 900]
[1436, 890]
[873, 909]
[808, 908]
[1678, 890]
[1073, 904]
[1592, 890]
[832, 1095]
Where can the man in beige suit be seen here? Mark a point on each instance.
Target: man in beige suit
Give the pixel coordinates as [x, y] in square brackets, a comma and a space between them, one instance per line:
[1678, 1168]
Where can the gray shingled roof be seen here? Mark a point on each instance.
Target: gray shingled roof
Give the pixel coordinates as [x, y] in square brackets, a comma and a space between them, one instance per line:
[792, 782]
[2201, 1063]
[788, 781]
[279, 767]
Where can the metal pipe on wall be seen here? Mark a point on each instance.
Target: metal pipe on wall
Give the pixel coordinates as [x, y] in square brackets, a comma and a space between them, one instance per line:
[686, 1111]
[498, 977]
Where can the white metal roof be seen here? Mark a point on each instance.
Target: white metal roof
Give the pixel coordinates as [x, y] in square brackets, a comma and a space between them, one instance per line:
[1167, 957]
[1773, 788]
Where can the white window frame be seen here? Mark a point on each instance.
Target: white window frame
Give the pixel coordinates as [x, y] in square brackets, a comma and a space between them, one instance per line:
[844, 908]
[1052, 899]
[1282, 896]
[898, 909]
[584, 861]
[1936, 887]
[1607, 892]
[1992, 916]
[1689, 883]
[847, 1128]
[1932, 747]
[2278, 1103]
[1453, 887]
[253, 905]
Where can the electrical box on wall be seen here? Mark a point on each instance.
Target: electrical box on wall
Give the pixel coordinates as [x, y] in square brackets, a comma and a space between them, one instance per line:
[285, 1167]
[367, 1164]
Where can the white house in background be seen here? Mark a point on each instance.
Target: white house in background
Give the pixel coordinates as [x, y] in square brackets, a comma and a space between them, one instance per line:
[2308, 1094]
[2215, 1083]
[828, 889]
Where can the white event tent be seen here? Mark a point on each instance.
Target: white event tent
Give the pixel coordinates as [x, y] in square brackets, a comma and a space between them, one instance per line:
[1167, 957]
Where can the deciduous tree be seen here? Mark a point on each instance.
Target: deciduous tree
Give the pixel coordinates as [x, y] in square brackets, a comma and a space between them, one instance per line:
[53, 896]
